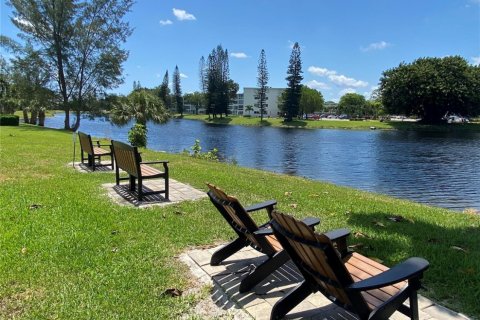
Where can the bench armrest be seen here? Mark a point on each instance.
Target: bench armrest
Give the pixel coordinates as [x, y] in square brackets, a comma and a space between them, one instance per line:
[154, 162]
[409, 269]
[263, 205]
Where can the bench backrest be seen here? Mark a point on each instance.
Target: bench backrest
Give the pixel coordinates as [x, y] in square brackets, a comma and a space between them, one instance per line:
[127, 157]
[86, 142]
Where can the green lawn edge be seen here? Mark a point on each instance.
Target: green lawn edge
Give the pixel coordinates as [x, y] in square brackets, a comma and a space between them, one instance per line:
[332, 124]
[69, 252]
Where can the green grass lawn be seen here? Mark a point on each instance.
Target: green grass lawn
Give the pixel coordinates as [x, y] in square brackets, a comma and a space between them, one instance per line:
[333, 124]
[68, 252]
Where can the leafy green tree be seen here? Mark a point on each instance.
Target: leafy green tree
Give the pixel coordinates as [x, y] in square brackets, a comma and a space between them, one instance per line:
[80, 41]
[30, 79]
[217, 82]
[294, 87]
[177, 91]
[196, 99]
[431, 87]
[262, 81]
[141, 106]
[311, 100]
[164, 92]
[352, 104]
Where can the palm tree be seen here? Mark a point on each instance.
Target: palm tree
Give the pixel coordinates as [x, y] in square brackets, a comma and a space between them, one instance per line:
[249, 108]
[142, 106]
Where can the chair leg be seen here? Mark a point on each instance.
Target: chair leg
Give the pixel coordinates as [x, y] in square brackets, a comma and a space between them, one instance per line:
[413, 305]
[226, 251]
[264, 270]
[290, 300]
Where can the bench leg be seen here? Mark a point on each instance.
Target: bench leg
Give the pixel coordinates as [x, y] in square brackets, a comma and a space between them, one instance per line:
[167, 191]
[132, 183]
[140, 189]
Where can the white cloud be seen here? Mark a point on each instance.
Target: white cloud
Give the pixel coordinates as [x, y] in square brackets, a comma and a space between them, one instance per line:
[346, 90]
[476, 60]
[322, 72]
[342, 80]
[239, 55]
[317, 85]
[166, 22]
[376, 46]
[338, 79]
[183, 15]
[183, 75]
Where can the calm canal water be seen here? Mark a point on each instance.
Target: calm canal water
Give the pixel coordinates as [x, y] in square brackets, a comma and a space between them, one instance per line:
[440, 169]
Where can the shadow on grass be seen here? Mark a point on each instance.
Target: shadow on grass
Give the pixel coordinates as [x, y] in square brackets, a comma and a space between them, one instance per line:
[453, 252]
[265, 123]
[294, 123]
[223, 120]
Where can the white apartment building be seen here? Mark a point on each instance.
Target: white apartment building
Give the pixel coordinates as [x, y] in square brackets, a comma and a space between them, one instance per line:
[272, 109]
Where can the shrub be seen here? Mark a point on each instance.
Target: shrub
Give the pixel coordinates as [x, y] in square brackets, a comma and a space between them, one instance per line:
[137, 136]
[211, 155]
[9, 120]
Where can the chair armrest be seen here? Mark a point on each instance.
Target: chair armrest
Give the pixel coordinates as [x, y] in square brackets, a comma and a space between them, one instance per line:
[311, 221]
[264, 232]
[339, 238]
[337, 234]
[263, 205]
[409, 269]
[154, 162]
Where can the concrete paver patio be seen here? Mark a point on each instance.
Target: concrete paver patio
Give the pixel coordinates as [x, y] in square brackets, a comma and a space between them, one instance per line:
[123, 196]
[258, 303]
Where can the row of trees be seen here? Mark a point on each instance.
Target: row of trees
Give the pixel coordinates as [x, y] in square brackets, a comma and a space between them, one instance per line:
[215, 82]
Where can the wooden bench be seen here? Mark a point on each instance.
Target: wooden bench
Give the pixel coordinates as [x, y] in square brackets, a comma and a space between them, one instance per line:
[94, 152]
[129, 160]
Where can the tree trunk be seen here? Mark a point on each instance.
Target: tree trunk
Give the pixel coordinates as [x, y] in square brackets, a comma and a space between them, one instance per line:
[34, 117]
[77, 121]
[41, 118]
[25, 116]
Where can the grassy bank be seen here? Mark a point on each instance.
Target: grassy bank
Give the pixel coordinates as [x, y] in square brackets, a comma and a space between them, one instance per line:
[334, 124]
[68, 252]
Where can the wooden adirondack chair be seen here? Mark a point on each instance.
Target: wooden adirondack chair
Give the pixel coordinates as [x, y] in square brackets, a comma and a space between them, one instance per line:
[94, 152]
[352, 281]
[260, 238]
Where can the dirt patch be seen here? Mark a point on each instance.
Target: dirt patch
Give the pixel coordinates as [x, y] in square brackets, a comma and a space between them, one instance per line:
[12, 306]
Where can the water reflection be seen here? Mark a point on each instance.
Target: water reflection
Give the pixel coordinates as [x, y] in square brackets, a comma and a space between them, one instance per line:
[435, 168]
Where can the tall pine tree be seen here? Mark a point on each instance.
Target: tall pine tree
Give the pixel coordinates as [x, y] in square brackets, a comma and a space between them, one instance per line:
[177, 91]
[294, 87]
[262, 81]
[164, 91]
[217, 78]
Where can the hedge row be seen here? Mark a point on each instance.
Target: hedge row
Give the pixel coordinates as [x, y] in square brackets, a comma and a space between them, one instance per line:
[9, 120]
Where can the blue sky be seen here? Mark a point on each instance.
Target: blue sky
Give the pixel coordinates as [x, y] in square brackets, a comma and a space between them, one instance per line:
[345, 44]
